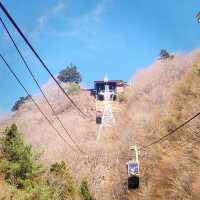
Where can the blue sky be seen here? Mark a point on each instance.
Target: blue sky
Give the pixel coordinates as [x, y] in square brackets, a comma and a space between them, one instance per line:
[99, 36]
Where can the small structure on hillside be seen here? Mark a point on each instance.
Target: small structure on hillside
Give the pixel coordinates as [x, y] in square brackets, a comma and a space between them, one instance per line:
[115, 87]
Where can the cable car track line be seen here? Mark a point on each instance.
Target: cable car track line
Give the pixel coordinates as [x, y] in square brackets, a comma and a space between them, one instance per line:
[40, 59]
[33, 77]
[170, 133]
[38, 107]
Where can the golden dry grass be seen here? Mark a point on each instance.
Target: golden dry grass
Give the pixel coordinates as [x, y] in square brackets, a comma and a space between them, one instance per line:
[97, 165]
[164, 96]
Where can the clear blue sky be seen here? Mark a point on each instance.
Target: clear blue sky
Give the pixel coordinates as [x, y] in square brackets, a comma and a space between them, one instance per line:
[99, 36]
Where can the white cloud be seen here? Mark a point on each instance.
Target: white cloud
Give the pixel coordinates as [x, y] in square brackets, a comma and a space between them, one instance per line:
[52, 12]
[86, 24]
[42, 20]
[93, 17]
[86, 27]
[59, 7]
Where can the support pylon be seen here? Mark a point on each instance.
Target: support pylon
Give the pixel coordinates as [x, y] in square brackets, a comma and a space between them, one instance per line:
[108, 118]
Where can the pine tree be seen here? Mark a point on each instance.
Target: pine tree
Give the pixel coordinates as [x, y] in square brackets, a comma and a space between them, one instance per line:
[70, 75]
[62, 180]
[164, 54]
[26, 178]
[85, 190]
[18, 163]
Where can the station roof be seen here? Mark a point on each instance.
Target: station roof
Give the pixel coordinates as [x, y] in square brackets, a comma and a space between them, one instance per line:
[118, 82]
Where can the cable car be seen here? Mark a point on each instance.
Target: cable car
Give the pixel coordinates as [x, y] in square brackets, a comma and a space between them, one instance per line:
[133, 171]
[99, 117]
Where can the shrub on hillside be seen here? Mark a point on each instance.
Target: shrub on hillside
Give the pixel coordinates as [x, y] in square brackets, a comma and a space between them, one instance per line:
[19, 103]
[122, 97]
[197, 71]
[73, 88]
[85, 190]
[164, 54]
[70, 75]
[61, 179]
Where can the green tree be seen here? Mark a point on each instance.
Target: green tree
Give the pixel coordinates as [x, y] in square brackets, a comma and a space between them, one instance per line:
[197, 71]
[70, 75]
[85, 190]
[164, 54]
[18, 162]
[26, 178]
[61, 179]
[19, 102]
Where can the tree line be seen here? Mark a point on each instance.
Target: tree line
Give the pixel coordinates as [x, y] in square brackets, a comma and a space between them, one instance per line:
[68, 75]
[28, 179]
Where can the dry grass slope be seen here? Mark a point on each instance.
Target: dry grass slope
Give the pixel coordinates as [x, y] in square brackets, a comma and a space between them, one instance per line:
[99, 162]
[162, 97]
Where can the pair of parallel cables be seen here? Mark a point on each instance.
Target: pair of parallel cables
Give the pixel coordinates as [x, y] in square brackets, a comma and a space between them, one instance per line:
[33, 77]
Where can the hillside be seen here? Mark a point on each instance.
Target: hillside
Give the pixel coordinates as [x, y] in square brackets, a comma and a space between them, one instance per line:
[37, 131]
[162, 96]
[96, 165]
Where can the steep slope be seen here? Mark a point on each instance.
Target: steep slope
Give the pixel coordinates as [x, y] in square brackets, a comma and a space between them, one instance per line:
[37, 130]
[163, 97]
[96, 164]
